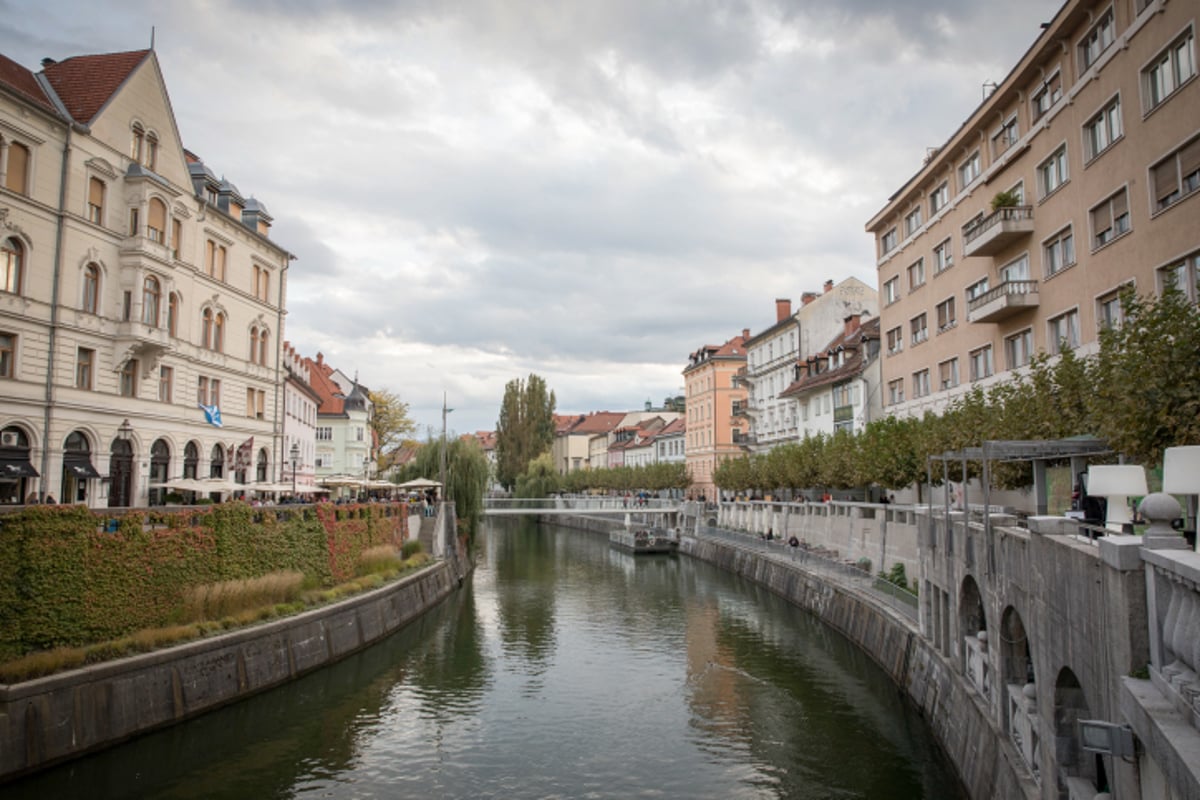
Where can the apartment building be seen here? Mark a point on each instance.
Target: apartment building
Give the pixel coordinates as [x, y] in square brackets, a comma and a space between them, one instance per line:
[1075, 178]
[141, 299]
[773, 355]
[837, 387]
[715, 428]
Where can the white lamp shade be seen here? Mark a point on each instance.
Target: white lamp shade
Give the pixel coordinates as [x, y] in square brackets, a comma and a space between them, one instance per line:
[1116, 480]
[1181, 470]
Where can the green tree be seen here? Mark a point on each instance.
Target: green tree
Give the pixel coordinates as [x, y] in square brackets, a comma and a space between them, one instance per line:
[539, 479]
[466, 476]
[390, 423]
[1146, 395]
[525, 429]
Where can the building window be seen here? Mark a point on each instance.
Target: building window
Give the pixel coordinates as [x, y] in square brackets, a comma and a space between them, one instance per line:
[214, 259]
[95, 206]
[1058, 252]
[920, 382]
[981, 363]
[166, 383]
[1109, 313]
[129, 377]
[176, 238]
[256, 403]
[1018, 348]
[895, 392]
[12, 266]
[1176, 176]
[948, 374]
[919, 328]
[17, 177]
[916, 274]
[943, 257]
[151, 161]
[912, 222]
[1102, 130]
[156, 225]
[1110, 219]
[939, 198]
[85, 361]
[1005, 137]
[946, 315]
[91, 288]
[8, 354]
[895, 340]
[891, 291]
[137, 144]
[1063, 332]
[134, 221]
[173, 314]
[262, 283]
[151, 294]
[1015, 270]
[1097, 40]
[888, 243]
[263, 346]
[254, 345]
[213, 330]
[976, 290]
[1170, 70]
[1052, 173]
[1049, 93]
[324, 434]
[1181, 275]
[968, 171]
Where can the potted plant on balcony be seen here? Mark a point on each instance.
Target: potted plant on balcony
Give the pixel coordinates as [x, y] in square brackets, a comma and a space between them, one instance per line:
[1006, 199]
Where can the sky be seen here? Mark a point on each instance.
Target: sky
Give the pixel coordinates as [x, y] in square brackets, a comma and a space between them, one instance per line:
[477, 191]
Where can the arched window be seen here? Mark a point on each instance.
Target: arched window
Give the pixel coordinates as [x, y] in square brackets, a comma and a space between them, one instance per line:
[176, 238]
[151, 161]
[173, 314]
[91, 289]
[263, 338]
[138, 142]
[260, 470]
[254, 345]
[17, 177]
[191, 459]
[156, 227]
[219, 332]
[206, 328]
[95, 206]
[150, 297]
[216, 464]
[12, 262]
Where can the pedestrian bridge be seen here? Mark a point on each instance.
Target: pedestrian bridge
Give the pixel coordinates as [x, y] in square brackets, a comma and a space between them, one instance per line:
[579, 506]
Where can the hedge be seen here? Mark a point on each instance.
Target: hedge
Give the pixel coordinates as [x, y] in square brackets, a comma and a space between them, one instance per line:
[70, 576]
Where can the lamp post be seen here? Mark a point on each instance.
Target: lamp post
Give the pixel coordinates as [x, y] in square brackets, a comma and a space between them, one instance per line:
[294, 452]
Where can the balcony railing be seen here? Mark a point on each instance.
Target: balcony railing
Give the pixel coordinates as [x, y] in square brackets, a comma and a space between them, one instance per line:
[744, 439]
[988, 235]
[1010, 297]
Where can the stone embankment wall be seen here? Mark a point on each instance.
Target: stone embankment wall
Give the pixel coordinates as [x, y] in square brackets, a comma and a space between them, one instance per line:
[63, 716]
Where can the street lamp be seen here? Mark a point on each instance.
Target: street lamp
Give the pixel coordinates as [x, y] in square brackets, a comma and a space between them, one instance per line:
[125, 431]
[295, 454]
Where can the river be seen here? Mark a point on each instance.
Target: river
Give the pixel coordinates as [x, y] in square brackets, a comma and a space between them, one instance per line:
[565, 669]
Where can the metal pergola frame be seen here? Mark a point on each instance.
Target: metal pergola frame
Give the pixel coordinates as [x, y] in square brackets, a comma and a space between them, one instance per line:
[1040, 451]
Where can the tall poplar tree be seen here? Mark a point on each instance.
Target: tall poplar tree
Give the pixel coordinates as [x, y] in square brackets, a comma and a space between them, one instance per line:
[525, 429]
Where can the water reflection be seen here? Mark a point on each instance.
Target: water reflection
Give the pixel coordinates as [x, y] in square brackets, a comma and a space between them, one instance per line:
[566, 669]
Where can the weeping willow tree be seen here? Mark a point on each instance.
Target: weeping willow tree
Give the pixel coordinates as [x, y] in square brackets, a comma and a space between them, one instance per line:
[466, 476]
[539, 479]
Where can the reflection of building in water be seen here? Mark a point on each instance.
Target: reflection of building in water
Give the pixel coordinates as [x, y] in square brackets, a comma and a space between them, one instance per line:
[712, 676]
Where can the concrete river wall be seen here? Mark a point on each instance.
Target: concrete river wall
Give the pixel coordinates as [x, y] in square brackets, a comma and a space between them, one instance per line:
[63, 716]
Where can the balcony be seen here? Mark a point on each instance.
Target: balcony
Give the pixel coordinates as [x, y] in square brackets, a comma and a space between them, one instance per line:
[138, 340]
[741, 408]
[991, 234]
[742, 378]
[744, 439]
[1007, 299]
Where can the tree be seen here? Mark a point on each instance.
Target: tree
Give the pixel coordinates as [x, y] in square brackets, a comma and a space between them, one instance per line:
[539, 479]
[525, 429]
[466, 476]
[389, 422]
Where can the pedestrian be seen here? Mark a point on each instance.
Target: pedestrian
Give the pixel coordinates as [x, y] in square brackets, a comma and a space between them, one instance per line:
[793, 543]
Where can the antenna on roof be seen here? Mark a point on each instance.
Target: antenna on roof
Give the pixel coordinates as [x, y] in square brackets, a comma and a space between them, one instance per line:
[151, 37]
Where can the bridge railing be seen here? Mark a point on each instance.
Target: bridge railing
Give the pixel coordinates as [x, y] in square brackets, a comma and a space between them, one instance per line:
[581, 503]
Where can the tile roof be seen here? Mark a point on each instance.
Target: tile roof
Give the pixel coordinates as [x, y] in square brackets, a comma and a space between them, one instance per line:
[597, 422]
[734, 349]
[333, 403]
[24, 83]
[854, 345]
[85, 83]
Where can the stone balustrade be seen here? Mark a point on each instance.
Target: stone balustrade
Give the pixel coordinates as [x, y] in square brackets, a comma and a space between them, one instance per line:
[978, 669]
[1023, 726]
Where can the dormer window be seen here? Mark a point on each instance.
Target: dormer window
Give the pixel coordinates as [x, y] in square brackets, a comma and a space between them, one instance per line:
[137, 143]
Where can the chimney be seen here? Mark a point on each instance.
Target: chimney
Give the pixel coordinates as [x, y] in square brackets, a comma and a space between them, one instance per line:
[828, 286]
[48, 62]
[320, 358]
[807, 298]
[745, 334]
[853, 323]
[783, 309]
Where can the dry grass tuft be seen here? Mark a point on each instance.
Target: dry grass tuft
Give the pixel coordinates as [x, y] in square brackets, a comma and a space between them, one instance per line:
[216, 601]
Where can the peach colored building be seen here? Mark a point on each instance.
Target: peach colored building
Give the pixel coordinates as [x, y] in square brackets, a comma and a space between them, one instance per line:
[715, 425]
[1095, 137]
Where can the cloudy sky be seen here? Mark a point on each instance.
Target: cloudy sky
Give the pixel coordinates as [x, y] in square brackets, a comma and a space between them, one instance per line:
[480, 190]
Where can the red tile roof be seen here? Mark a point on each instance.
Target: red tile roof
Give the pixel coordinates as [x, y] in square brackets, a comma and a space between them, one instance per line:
[597, 422]
[85, 83]
[333, 403]
[23, 82]
[855, 361]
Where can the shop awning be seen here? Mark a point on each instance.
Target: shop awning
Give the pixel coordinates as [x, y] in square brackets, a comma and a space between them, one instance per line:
[18, 467]
[80, 464]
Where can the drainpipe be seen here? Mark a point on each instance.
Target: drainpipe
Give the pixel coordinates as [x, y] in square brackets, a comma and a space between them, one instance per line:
[277, 446]
[52, 339]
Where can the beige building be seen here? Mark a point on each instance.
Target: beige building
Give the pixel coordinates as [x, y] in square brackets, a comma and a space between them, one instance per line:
[714, 403]
[1076, 177]
[134, 288]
